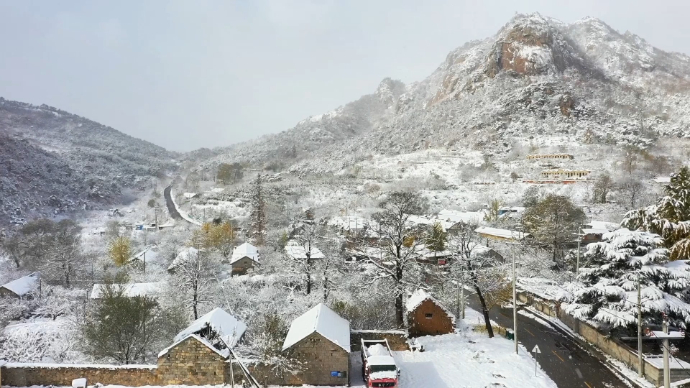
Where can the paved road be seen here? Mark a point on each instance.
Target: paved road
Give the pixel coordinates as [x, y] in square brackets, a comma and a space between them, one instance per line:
[564, 361]
[169, 203]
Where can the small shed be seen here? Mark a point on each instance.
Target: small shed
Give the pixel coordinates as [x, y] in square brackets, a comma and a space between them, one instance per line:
[426, 316]
[320, 340]
[22, 288]
[244, 258]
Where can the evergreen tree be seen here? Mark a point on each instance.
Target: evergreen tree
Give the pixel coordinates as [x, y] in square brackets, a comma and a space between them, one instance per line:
[437, 239]
[608, 289]
[258, 213]
[669, 218]
[553, 221]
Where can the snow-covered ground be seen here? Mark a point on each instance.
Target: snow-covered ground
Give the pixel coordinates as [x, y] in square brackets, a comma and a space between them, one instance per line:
[466, 359]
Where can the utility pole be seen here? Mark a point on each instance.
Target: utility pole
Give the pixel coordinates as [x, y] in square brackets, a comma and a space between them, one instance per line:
[577, 263]
[515, 334]
[665, 342]
[145, 247]
[462, 294]
[640, 371]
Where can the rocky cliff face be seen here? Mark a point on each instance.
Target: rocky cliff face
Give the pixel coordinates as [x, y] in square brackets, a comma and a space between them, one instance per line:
[537, 81]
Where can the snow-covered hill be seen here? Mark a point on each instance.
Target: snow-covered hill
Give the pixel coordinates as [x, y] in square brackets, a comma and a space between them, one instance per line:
[53, 162]
[537, 82]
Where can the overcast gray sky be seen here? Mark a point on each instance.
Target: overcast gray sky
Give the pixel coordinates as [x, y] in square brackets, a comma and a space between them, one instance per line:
[190, 74]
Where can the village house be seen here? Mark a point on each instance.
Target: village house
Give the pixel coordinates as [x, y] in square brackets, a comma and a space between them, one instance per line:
[244, 258]
[561, 174]
[23, 288]
[218, 327]
[297, 252]
[192, 360]
[426, 316]
[500, 234]
[594, 231]
[550, 156]
[320, 340]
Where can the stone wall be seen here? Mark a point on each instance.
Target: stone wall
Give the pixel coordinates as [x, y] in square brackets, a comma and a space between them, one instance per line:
[397, 339]
[24, 375]
[318, 357]
[241, 266]
[191, 362]
[429, 319]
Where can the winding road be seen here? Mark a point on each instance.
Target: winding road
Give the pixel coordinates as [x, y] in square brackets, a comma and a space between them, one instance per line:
[566, 363]
[169, 203]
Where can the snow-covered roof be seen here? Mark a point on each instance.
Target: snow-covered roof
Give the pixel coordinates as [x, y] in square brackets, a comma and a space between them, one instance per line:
[223, 353]
[229, 328]
[604, 225]
[131, 290]
[320, 319]
[245, 250]
[24, 285]
[594, 231]
[184, 255]
[298, 252]
[455, 216]
[420, 296]
[190, 195]
[502, 233]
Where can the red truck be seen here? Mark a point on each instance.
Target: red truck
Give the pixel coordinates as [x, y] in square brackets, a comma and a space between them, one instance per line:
[378, 365]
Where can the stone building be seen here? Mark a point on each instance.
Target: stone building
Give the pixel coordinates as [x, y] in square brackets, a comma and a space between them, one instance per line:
[218, 327]
[244, 258]
[320, 339]
[192, 361]
[426, 316]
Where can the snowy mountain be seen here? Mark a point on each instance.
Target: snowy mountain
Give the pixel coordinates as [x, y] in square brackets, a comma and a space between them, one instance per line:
[537, 82]
[53, 162]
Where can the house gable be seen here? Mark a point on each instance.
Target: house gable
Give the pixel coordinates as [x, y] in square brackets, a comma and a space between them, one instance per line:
[429, 318]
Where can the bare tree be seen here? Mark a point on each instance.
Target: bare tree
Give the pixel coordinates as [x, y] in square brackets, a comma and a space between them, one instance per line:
[195, 278]
[399, 241]
[477, 265]
[64, 257]
[304, 259]
[602, 187]
[631, 189]
[258, 212]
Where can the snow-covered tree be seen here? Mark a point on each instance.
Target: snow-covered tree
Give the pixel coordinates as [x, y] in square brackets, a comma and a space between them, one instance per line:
[399, 242]
[553, 221]
[608, 289]
[669, 217]
[477, 266]
[194, 278]
[119, 250]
